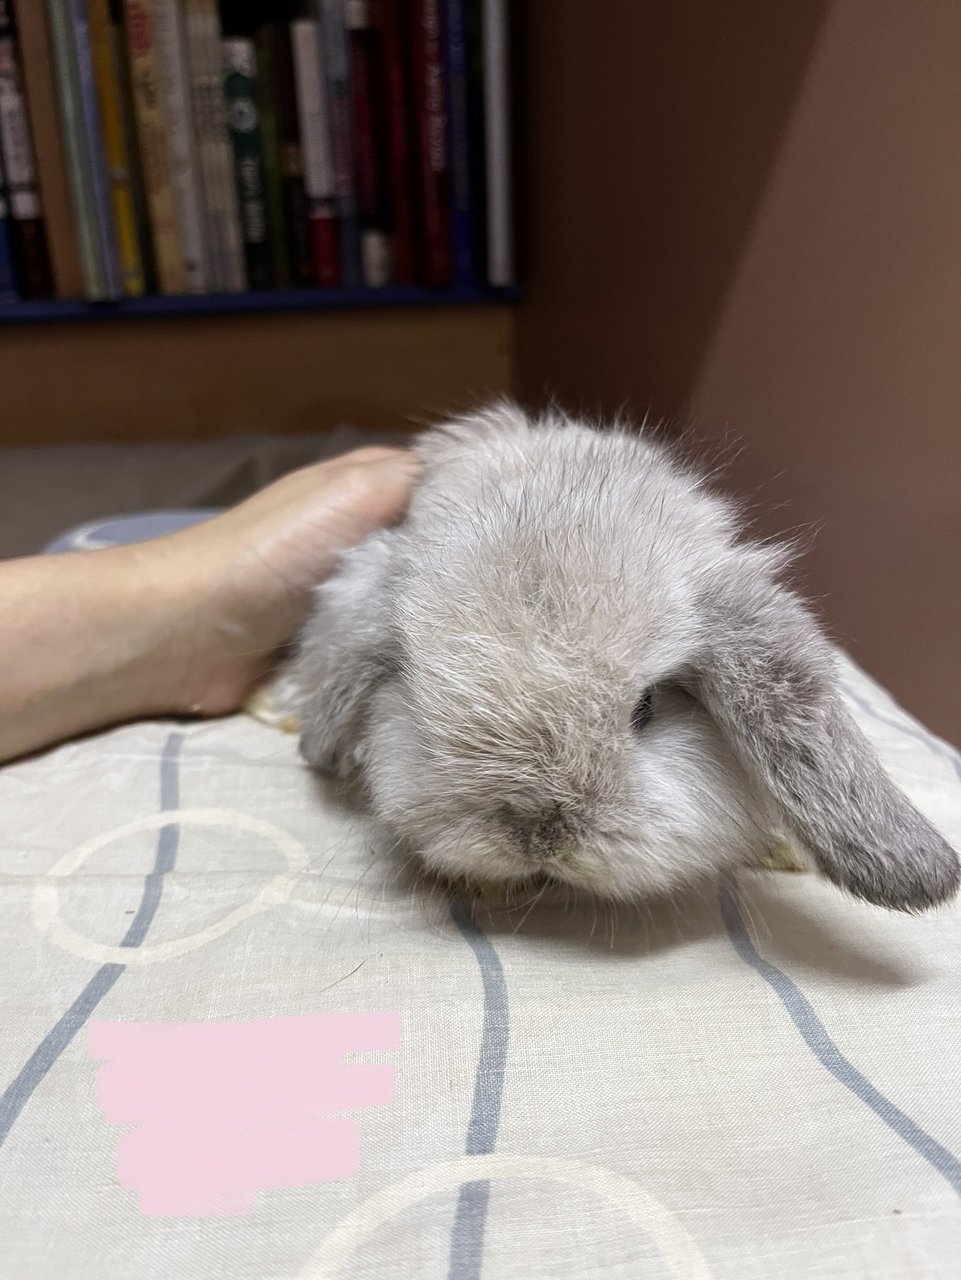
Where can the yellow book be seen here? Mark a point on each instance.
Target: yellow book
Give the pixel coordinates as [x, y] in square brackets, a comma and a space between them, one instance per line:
[111, 123]
[148, 96]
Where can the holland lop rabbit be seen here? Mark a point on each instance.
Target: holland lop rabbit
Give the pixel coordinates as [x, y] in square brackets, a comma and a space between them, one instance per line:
[565, 664]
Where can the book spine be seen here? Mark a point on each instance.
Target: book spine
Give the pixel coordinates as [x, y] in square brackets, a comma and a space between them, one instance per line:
[333, 36]
[240, 88]
[434, 175]
[458, 142]
[170, 46]
[398, 88]
[365, 48]
[131, 142]
[227, 206]
[16, 153]
[296, 222]
[115, 149]
[266, 105]
[496, 55]
[8, 278]
[306, 42]
[40, 88]
[475, 134]
[205, 140]
[101, 197]
[78, 163]
[155, 158]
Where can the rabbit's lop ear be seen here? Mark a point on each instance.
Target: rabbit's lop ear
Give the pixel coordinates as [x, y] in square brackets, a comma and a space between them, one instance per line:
[345, 651]
[767, 677]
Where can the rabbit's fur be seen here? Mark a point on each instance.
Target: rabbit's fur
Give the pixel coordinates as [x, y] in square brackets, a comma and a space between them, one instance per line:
[482, 666]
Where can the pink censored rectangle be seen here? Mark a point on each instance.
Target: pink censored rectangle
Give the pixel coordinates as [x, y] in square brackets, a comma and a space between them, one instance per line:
[220, 1111]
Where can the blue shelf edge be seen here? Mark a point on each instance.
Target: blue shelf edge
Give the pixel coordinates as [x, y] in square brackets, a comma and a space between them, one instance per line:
[52, 311]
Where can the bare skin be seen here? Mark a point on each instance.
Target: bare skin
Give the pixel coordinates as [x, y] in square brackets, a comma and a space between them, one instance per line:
[185, 624]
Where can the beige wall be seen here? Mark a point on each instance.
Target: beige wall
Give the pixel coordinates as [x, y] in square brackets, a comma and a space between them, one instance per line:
[778, 256]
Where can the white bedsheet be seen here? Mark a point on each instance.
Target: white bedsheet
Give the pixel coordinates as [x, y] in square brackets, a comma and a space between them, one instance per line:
[231, 1045]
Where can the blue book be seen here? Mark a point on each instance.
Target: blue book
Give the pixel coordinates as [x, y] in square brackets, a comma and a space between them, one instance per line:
[463, 196]
[332, 33]
[8, 275]
[74, 148]
[101, 196]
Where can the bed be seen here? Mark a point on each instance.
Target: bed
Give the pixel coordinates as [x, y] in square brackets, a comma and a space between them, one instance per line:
[235, 1044]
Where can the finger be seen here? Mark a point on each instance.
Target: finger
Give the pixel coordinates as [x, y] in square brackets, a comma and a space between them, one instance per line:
[372, 455]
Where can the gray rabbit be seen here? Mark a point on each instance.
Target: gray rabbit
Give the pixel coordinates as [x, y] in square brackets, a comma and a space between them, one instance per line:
[567, 664]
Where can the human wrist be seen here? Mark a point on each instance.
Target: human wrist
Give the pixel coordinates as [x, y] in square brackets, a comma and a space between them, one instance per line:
[152, 598]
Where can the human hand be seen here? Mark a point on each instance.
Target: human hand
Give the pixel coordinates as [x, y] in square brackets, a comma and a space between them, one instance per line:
[184, 624]
[248, 573]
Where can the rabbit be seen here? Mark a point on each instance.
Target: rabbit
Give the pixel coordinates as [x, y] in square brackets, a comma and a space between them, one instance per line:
[567, 664]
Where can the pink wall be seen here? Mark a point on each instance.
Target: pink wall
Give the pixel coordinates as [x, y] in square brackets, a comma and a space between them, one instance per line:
[837, 352]
[749, 216]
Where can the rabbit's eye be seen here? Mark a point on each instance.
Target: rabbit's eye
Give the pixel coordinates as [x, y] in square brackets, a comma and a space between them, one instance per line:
[643, 710]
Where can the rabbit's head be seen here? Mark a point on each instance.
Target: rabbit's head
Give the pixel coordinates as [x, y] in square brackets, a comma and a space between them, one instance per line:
[566, 665]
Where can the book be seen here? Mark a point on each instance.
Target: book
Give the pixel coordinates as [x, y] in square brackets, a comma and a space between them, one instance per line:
[106, 76]
[170, 47]
[458, 142]
[218, 145]
[295, 216]
[204, 127]
[36, 55]
[264, 42]
[398, 109]
[88, 194]
[219, 192]
[367, 78]
[431, 130]
[152, 133]
[16, 155]
[333, 41]
[95, 159]
[306, 36]
[500, 232]
[128, 120]
[243, 118]
[476, 147]
[227, 203]
[8, 276]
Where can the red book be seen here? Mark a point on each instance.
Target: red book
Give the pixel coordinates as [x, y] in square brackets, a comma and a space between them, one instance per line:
[326, 248]
[432, 169]
[396, 23]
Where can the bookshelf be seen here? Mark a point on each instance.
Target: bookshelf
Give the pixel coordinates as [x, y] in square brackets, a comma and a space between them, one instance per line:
[59, 310]
[361, 274]
[160, 377]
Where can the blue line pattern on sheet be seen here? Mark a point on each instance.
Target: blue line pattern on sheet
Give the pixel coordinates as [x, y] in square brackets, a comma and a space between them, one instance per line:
[470, 1216]
[20, 1090]
[816, 1037]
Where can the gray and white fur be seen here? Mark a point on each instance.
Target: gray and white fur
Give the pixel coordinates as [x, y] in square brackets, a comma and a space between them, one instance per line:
[567, 664]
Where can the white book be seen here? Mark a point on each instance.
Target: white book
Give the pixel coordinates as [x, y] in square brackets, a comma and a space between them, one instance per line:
[228, 199]
[170, 44]
[320, 180]
[497, 142]
[221, 213]
[204, 137]
[312, 110]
